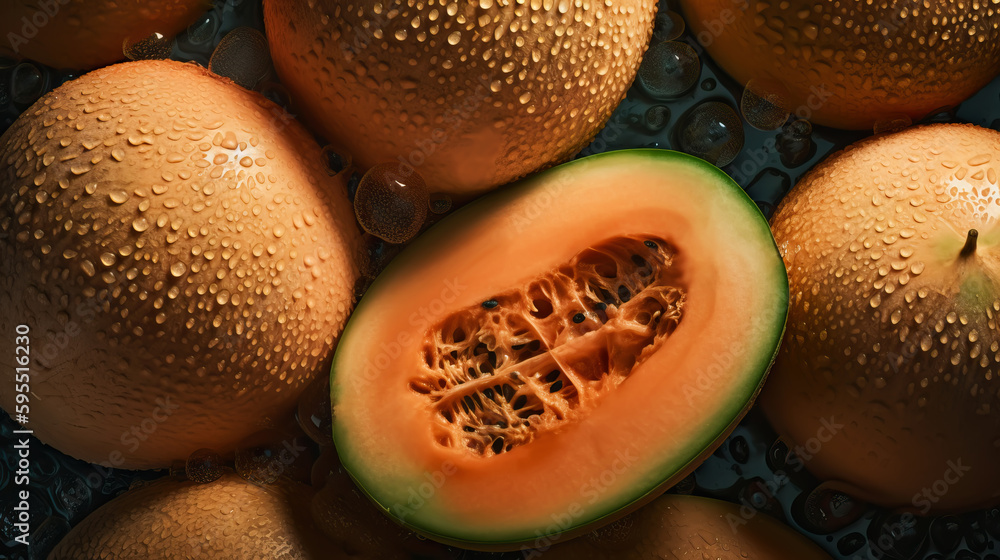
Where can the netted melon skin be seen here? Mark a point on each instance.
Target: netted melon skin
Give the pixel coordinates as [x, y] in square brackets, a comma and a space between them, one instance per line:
[228, 519]
[471, 94]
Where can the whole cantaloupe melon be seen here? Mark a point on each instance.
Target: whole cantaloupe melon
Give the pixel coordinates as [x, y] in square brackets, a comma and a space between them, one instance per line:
[679, 526]
[227, 519]
[471, 94]
[232, 519]
[888, 371]
[182, 260]
[85, 34]
[852, 63]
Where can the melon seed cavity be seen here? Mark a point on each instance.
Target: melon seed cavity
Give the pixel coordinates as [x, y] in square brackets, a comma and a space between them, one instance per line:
[522, 363]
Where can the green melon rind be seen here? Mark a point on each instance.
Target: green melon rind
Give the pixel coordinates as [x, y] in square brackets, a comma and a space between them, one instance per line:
[678, 464]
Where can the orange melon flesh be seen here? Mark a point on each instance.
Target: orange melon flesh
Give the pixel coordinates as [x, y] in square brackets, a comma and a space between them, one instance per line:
[613, 452]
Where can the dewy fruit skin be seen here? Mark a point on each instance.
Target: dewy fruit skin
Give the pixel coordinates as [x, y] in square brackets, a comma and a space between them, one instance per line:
[181, 247]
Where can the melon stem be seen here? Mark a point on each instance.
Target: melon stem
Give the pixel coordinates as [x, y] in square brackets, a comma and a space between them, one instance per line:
[970, 243]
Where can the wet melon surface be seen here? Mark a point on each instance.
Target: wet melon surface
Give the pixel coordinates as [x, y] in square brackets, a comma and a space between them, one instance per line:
[680, 527]
[556, 354]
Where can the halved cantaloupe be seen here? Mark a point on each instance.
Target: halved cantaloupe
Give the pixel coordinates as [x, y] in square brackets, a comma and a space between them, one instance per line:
[556, 354]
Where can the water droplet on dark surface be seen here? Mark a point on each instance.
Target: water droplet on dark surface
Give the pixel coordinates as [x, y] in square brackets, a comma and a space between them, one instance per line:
[154, 47]
[795, 143]
[260, 459]
[687, 485]
[739, 449]
[669, 69]
[439, 203]
[204, 466]
[202, 32]
[391, 202]
[27, 83]
[314, 413]
[712, 131]
[333, 161]
[669, 26]
[851, 543]
[376, 253]
[656, 118]
[758, 495]
[277, 94]
[976, 538]
[990, 521]
[763, 106]
[824, 510]
[946, 532]
[903, 536]
[242, 56]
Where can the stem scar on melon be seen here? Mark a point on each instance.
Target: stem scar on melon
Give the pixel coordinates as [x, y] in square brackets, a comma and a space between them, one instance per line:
[565, 363]
[970, 243]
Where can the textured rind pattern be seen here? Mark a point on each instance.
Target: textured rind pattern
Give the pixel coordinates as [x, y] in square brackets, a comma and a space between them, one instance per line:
[228, 519]
[85, 34]
[360, 530]
[471, 94]
[852, 63]
[892, 341]
[183, 260]
[679, 527]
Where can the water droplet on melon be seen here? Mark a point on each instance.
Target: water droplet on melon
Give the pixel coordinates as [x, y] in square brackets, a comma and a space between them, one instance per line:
[118, 196]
